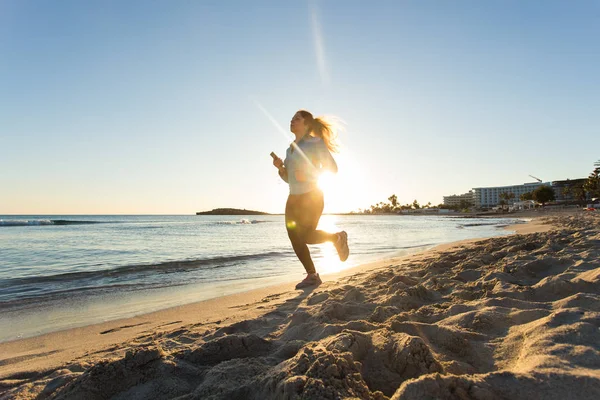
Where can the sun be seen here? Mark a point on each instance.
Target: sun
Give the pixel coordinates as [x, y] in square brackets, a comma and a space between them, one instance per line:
[348, 189]
[326, 181]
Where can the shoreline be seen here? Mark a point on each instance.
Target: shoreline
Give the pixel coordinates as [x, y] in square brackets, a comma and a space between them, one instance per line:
[50, 349]
[512, 214]
[40, 315]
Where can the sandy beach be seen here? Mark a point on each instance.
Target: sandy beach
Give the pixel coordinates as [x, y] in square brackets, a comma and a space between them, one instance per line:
[514, 317]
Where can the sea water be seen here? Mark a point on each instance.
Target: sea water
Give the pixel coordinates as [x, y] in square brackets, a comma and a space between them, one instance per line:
[59, 272]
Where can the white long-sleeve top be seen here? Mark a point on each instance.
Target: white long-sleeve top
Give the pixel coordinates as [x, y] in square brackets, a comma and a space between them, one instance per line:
[310, 156]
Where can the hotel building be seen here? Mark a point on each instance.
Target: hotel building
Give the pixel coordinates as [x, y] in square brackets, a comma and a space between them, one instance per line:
[457, 199]
[572, 184]
[489, 197]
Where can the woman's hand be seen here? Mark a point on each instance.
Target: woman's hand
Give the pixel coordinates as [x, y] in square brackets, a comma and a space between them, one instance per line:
[278, 162]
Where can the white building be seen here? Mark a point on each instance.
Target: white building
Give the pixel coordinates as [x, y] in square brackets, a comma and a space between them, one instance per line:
[522, 205]
[490, 196]
[456, 199]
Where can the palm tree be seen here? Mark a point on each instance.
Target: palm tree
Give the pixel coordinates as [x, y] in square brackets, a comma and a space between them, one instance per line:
[502, 203]
[505, 197]
[566, 191]
[394, 200]
[510, 196]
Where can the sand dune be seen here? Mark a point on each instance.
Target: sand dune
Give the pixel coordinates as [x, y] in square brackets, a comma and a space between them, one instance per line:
[515, 317]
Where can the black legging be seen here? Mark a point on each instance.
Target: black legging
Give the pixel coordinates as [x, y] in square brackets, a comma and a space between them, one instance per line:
[302, 214]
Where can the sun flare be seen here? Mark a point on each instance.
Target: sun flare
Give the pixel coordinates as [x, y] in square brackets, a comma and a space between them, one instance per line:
[331, 262]
[326, 181]
[347, 190]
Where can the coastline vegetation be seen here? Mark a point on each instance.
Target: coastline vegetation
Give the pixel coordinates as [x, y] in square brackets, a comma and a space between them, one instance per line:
[393, 207]
[231, 211]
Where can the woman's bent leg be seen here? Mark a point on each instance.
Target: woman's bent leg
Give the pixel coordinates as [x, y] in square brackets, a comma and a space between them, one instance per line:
[318, 237]
[302, 214]
[302, 252]
[313, 210]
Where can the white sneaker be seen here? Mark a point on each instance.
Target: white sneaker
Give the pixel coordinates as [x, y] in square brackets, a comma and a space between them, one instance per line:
[341, 245]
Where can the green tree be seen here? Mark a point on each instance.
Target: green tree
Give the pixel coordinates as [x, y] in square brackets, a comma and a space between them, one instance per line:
[592, 184]
[579, 193]
[543, 194]
[416, 205]
[526, 196]
[464, 205]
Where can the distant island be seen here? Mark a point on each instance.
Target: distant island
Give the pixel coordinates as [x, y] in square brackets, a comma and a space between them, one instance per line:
[231, 211]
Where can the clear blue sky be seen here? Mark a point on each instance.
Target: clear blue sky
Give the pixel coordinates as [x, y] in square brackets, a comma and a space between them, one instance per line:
[151, 106]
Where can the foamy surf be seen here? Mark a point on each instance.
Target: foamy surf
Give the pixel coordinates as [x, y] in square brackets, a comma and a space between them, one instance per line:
[42, 222]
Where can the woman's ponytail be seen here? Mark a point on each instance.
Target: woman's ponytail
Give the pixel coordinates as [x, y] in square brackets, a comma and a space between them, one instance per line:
[323, 128]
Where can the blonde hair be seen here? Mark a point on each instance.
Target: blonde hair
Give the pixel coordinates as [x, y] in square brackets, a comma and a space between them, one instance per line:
[324, 128]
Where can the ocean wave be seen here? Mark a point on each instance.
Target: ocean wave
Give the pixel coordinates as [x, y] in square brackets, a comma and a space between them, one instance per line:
[30, 299]
[494, 223]
[479, 224]
[25, 222]
[45, 222]
[69, 222]
[122, 272]
[35, 296]
[41, 222]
